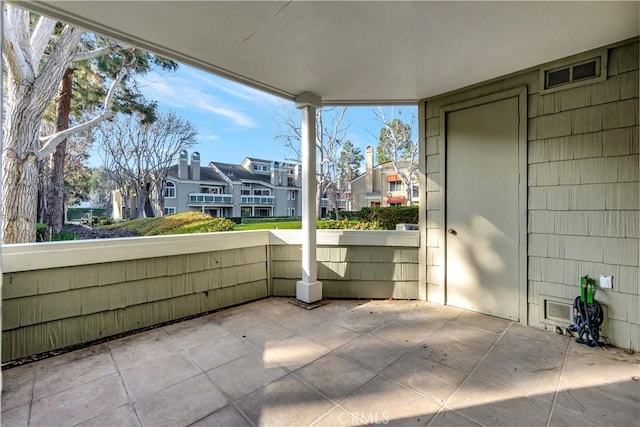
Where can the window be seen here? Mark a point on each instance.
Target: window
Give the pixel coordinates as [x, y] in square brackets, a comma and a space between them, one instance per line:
[261, 192]
[576, 71]
[291, 195]
[261, 168]
[395, 186]
[415, 191]
[395, 204]
[291, 211]
[169, 211]
[170, 191]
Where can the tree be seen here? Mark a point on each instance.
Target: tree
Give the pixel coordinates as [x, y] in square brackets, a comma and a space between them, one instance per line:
[397, 147]
[348, 168]
[331, 131]
[82, 90]
[37, 54]
[141, 154]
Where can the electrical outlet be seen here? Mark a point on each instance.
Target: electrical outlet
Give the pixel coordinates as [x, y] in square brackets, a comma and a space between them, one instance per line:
[606, 282]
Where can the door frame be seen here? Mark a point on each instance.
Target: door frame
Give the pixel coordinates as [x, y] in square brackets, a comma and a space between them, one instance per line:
[521, 94]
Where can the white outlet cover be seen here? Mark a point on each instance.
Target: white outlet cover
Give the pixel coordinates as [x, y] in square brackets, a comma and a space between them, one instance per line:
[606, 282]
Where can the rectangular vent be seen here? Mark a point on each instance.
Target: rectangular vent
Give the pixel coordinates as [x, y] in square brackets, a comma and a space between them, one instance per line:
[575, 72]
[558, 311]
[583, 69]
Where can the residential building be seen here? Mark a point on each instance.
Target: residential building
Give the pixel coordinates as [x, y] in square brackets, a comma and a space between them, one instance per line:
[256, 187]
[380, 186]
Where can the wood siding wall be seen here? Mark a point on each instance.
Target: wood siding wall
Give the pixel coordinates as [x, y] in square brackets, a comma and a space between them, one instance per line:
[583, 190]
[48, 308]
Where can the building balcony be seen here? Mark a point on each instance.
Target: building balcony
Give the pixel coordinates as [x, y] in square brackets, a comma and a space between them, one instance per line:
[210, 199]
[258, 200]
[325, 203]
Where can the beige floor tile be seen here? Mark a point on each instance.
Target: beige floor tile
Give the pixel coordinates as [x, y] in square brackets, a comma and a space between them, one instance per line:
[287, 402]
[483, 321]
[449, 418]
[426, 376]
[58, 377]
[330, 335]
[221, 351]
[363, 320]
[80, 403]
[260, 336]
[340, 417]
[243, 321]
[198, 333]
[17, 386]
[245, 375]
[124, 416]
[372, 352]
[405, 334]
[181, 404]
[382, 401]
[490, 404]
[293, 353]
[16, 417]
[158, 374]
[141, 348]
[607, 404]
[336, 377]
[453, 332]
[227, 417]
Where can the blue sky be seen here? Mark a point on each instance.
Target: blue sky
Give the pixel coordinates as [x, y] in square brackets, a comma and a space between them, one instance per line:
[236, 121]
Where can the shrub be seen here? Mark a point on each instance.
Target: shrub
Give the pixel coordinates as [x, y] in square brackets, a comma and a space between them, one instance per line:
[388, 217]
[345, 224]
[180, 223]
[41, 232]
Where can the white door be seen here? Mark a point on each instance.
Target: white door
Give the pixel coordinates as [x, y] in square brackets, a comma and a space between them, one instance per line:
[482, 208]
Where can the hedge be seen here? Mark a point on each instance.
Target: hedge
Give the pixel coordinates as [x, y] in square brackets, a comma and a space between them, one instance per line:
[388, 217]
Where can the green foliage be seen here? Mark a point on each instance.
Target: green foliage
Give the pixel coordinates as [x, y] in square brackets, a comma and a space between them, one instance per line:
[288, 225]
[395, 141]
[388, 217]
[181, 223]
[345, 224]
[43, 234]
[248, 220]
[75, 214]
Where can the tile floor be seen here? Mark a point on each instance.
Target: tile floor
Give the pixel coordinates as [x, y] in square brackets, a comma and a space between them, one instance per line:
[271, 363]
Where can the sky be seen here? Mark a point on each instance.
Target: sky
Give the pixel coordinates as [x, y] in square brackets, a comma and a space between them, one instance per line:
[235, 121]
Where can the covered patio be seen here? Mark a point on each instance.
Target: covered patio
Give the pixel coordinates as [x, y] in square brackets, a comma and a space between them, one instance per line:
[410, 345]
[272, 363]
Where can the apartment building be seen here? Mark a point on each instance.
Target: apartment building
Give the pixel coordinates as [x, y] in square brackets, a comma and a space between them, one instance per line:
[255, 187]
[380, 186]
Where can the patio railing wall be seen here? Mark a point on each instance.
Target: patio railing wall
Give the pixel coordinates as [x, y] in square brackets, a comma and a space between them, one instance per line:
[62, 294]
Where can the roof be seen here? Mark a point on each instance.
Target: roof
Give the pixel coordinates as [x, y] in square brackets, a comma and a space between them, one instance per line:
[239, 173]
[334, 49]
[206, 174]
[253, 159]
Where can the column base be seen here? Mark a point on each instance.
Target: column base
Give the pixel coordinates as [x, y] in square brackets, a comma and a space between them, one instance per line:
[308, 291]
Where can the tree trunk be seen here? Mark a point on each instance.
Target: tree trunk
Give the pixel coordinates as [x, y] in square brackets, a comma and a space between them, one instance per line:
[20, 168]
[141, 201]
[55, 198]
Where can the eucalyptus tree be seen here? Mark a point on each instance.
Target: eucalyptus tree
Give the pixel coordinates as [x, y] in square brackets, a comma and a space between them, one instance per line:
[38, 52]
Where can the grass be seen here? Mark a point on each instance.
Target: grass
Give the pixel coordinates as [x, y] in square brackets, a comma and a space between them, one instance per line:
[182, 223]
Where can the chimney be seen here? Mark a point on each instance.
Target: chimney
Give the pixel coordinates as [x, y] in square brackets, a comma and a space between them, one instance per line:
[183, 167]
[368, 178]
[195, 166]
[276, 175]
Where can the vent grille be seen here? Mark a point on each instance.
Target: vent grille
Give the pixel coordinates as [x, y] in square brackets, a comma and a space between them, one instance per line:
[558, 311]
[568, 74]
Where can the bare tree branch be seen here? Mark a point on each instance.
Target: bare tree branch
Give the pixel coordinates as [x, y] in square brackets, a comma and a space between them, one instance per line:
[96, 53]
[17, 55]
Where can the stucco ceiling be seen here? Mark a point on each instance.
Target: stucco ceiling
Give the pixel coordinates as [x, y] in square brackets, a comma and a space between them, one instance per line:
[356, 52]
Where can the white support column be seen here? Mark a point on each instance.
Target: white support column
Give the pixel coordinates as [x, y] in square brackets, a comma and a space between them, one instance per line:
[309, 289]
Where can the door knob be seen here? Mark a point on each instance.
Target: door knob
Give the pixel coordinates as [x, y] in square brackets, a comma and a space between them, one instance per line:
[452, 232]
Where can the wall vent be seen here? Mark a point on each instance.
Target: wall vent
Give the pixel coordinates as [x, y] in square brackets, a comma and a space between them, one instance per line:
[573, 72]
[558, 313]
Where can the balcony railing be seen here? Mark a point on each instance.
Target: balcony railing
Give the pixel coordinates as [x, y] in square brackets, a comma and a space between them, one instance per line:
[211, 199]
[257, 200]
[325, 203]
